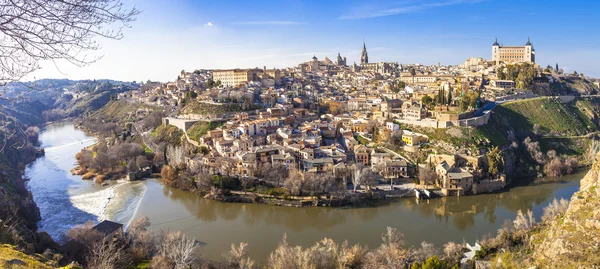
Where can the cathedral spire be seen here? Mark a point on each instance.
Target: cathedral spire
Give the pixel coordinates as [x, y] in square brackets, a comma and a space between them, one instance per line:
[364, 58]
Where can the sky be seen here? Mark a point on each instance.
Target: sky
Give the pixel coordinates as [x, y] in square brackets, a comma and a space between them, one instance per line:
[174, 35]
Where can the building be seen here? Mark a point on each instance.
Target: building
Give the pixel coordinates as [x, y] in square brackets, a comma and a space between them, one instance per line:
[233, 77]
[362, 154]
[395, 169]
[407, 77]
[384, 68]
[413, 139]
[454, 181]
[502, 84]
[513, 54]
[378, 68]
[415, 112]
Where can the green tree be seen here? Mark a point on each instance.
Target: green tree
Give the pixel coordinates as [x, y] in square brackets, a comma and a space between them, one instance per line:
[449, 96]
[427, 100]
[464, 103]
[494, 161]
[501, 72]
[433, 263]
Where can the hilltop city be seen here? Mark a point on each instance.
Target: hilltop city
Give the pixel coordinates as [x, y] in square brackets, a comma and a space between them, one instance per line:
[322, 115]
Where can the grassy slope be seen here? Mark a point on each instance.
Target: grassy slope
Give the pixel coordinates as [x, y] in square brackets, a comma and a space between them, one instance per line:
[122, 111]
[550, 115]
[168, 133]
[20, 260]
[558, 122]
[199, 129]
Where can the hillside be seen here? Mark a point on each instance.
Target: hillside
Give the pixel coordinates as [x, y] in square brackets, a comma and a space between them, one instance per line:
[123, 111]
[551, 115]
[214, 110]
[10, 257]
[571, 241]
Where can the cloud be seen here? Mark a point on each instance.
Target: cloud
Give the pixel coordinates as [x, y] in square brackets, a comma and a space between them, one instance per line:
[374, 13]
[268, 23]
[208, 24]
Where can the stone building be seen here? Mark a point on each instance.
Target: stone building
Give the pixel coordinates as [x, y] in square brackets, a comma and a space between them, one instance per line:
[513, 54]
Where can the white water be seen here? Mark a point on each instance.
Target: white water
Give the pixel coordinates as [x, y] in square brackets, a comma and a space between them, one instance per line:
[66, 200]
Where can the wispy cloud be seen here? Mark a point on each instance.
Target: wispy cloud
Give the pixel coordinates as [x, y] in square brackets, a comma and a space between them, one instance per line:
[208, 24]
[407, 8]
[268, 23]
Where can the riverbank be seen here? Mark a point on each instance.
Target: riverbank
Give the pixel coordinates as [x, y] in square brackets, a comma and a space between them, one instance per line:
[350, 199]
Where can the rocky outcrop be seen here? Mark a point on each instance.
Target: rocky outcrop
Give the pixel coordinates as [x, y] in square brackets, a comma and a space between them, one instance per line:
[573, 241]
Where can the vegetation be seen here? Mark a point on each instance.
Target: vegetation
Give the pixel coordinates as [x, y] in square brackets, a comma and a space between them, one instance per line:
[551, 115]
[10, 257]
[199, 129]
[213, 110]
[522, 73]
[168, 134]
[104, 162]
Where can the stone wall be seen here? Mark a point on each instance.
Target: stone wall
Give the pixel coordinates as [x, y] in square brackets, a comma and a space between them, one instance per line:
[430, 123]
[486, 185]
[182, 124]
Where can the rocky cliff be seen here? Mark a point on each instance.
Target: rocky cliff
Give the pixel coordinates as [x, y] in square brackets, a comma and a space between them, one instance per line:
[573, 241]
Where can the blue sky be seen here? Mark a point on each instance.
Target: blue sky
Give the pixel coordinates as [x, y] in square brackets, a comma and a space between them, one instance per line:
[173, 35]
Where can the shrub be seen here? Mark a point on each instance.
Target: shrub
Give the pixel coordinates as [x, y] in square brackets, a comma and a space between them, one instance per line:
[555, 208]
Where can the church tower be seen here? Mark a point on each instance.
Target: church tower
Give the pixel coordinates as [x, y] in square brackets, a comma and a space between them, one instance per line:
[364, 58]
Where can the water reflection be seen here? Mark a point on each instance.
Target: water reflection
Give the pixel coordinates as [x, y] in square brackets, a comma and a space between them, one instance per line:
[437, 220]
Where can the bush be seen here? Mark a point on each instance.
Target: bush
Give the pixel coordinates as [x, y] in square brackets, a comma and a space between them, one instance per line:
[277, 192]
[229, 183]
[554, 209]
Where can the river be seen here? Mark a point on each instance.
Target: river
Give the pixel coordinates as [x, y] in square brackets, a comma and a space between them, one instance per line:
[66, 200]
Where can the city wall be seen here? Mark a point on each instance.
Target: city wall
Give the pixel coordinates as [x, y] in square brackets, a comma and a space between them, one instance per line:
[182, 124]
[470, 122]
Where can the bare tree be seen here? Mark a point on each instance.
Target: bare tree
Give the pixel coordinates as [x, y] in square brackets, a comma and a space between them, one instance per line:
[108, 254]
[179, 249]
[425, 251]
[325, 254]
[427, 177]
[272, 172]
[524, 222]
[554, 209]
[286, 256]
[37, 30]
[237, 257]
[453, 251]
[295, 182]
[364, 175]
[141, 241]
[391, 254]
[204, 182]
